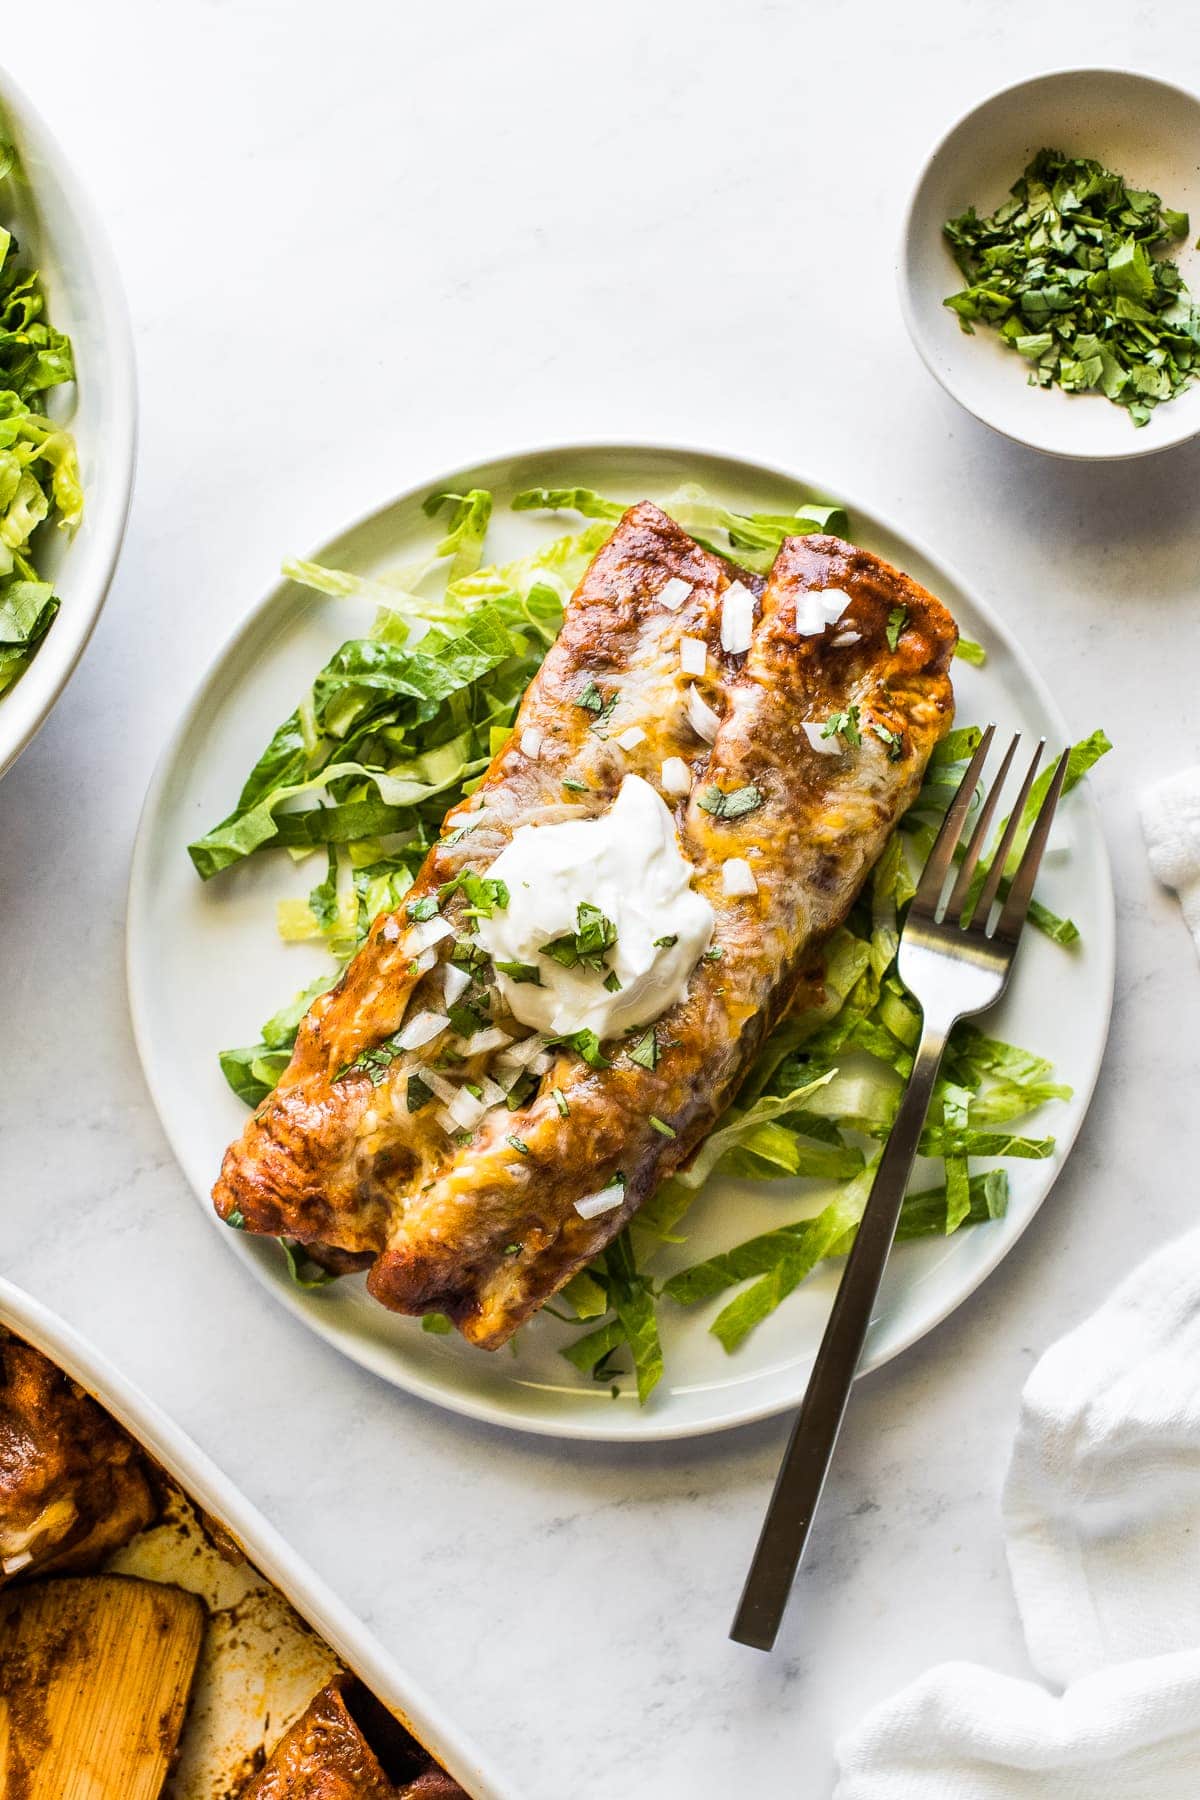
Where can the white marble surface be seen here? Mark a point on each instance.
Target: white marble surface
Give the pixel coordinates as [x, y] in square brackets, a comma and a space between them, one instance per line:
[366, 243]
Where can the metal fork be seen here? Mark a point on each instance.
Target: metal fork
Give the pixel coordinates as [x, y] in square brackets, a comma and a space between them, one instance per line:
[954, 966]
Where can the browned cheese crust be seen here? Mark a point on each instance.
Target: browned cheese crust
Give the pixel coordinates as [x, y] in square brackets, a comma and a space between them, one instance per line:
[73, 1486]
[478, 1230]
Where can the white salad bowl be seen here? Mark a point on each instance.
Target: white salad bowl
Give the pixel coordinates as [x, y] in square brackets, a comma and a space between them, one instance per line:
[55, 224]
[1145, 130]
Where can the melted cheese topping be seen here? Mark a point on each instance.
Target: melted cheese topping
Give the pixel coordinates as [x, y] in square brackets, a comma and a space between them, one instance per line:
[629, 864]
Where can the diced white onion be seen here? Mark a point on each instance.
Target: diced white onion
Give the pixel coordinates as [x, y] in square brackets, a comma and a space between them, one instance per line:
[606, 1200]
[445, 1119]
[629, 740]
[737, 619]
[422, 1029]
[701, 717]
[12, 1564]
[422, 964]
[542, 1063]
[676, 776]
[492, 1038]
[675, 593]
[737, 877]
[819, 607]
[845, 638]
[493, 1093]
[427, 933]
[693, 655]
[438, 1085]
[466, 1110]
[824, 746]
[521, 1054]
[455, 982]
[810, 615]
[531, 743]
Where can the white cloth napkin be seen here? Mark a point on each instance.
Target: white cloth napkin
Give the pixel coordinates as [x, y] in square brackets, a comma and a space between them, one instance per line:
[1171, 822]
[1102, 1517]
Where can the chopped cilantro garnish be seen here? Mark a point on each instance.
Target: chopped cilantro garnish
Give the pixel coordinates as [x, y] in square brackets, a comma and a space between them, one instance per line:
[236, 1220]
[588, 1046]
[560, 1100]
[374, 1062]
[662, 1128]
[520, 971]
[468, 955]
[485, 894]
[465, 1018]
[845, 725]
[421, 909]
[897, 620]
[418, 1094]
[520, 1091]
[1067, 270]
[665, 943]
[588, 945]
[513, 1249]
[576, 787]
[437, 1323]
[893, 739]
[714, 953]
[645, 1051]
[601, 705]
[518, 1144]
[732, 805]
[612, 982]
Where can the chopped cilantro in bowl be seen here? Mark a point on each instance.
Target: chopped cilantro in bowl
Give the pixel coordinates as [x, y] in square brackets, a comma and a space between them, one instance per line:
[1074, 272]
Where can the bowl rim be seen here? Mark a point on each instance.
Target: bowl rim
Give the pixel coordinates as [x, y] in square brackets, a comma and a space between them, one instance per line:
[25, 708]
[915, 326]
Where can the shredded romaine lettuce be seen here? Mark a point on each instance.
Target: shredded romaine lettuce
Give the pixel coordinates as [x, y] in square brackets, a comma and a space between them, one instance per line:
[752, 538]
[39, 471]
[398, 726]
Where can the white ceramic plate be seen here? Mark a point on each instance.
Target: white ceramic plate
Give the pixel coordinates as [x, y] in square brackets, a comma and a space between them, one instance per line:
[1143, 129]
[57, 227]
[206, 968]
[216, 1495]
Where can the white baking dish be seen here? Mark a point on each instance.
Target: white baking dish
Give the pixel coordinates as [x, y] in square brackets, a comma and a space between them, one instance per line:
[165, 1552]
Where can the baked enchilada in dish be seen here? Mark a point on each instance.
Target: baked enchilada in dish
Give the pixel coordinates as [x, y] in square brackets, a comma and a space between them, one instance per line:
[701, 775]
[141, 1653]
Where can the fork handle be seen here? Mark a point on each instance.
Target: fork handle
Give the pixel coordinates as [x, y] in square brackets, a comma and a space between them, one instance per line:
[810, 1447]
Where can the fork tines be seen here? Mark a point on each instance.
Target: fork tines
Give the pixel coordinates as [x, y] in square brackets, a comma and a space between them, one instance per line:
[971, 900]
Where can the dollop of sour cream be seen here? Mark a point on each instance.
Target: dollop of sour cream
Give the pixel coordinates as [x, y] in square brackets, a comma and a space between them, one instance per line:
[628, 863]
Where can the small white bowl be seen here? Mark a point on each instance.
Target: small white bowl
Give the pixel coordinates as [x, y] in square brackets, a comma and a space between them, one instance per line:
[56, 225]
[1143, 129]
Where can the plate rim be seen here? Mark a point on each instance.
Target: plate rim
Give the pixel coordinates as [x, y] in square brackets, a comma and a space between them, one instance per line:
[364, 1352]
[916, 328]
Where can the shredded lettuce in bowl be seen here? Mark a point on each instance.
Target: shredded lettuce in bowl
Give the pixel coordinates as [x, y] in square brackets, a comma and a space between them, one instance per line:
[401, 723]
[39, 471]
